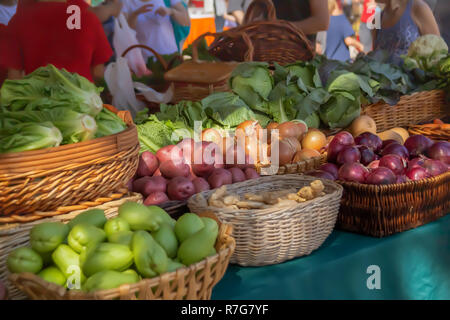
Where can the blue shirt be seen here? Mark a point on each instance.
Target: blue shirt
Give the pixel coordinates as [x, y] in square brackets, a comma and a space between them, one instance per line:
[339, 29]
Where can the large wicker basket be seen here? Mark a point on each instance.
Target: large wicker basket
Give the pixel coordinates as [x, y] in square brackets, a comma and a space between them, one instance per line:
[194, 282]
[15, 234]
[411, 109]
[273, 40]
[387, 209]
[433, 132]
[50, 178]
[271, 236]
[298, 167]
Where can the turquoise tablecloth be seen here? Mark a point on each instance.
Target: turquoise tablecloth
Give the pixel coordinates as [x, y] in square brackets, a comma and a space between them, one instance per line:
[413, 265]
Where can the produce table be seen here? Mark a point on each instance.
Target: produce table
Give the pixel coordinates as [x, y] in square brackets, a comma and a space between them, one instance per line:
[414, 265]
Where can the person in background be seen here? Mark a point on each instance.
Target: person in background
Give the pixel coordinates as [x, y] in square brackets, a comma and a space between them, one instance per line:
[311, 16]
[237, 9]
[220, 8]
[151, 20]
[38, 35]
[365, 35]
[106, 10]
[339, 35]
[402, 22]
[441, 11]
[7, 10]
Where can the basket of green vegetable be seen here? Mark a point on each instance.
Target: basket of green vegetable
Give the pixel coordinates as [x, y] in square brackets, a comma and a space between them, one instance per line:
[59, 145]
[140, 253]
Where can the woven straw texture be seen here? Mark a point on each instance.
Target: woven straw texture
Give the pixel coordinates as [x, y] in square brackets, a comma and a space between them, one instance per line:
[271, 236]
[384, 210]
[192, 283]
[435, 133]
[411, 109]
[16, 235]
[50, 178]
[273, 40]
[298, 167]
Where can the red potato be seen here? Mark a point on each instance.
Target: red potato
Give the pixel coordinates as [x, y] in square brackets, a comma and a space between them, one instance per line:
[170, 169]
[157, 173]
[237, 174]
[187, 148]
[205, 152]
[180, 188]
[149, 185]
[156, 198]
[148, 163]
[130, 184]
[220, 177]
[251, 173]
[200, 185]
[167, 153]
[202, 170]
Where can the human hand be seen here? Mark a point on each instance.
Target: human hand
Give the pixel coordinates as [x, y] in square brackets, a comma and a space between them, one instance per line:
[144, 9]
[164, 11]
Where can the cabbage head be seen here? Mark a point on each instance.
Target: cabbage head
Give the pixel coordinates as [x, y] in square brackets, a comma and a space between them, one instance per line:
[426, 52]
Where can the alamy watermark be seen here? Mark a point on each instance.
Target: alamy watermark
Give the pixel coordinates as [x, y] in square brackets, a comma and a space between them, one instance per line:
[374, 280]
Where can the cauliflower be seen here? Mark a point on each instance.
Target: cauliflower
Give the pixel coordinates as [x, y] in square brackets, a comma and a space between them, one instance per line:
[426, 52]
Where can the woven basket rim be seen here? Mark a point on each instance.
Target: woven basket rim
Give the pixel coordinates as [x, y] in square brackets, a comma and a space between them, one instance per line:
[274, 213]
[407, 97]
[396, 186]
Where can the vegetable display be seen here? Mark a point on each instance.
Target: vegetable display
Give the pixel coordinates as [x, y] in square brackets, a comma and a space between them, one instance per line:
[96, 254]
[52, 107]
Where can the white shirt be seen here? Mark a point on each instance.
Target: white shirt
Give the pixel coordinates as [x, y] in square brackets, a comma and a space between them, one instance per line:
[6, 13]
[153, 30]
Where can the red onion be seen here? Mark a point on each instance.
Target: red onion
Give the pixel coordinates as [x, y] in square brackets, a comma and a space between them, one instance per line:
[440, 151]
[345, 138]
[355, 172]
[417, 144]
[381, 175]
[401, 179]
[331, 168]
[374, 164]
[388, 142]
[393, 162]
[349, 155]
[417, 173]
[367, 155]
[416, 162]
[333, 150]
[434, 167]
[321, 174]
[396, 148]
[369, 140]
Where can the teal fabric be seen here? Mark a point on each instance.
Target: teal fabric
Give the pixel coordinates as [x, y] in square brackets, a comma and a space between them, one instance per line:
[181, 32]
[414, 265]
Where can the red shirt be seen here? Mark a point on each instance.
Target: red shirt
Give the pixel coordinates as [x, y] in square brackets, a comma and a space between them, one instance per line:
[367, 10]
[38, 35]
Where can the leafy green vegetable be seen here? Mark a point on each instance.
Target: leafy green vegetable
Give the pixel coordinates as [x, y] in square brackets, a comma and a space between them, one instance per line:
[340, 111]
[227, 109]
[47, 88]
[108, 123]
[252, 82]
[154, 134]
[426, 52]
[29, 136]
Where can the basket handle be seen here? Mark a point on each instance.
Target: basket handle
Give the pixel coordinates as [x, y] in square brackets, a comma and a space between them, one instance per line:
[230, 33]
[265, 7]
[157, 55]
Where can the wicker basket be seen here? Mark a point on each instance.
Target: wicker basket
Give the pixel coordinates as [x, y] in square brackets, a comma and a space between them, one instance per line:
[271, 236]
[192, 283]
[384, 210]
[50, 178]
[15, 235]
[411, 109]
[273, 40]
[434, 133]
[194, 80]
[298, 167]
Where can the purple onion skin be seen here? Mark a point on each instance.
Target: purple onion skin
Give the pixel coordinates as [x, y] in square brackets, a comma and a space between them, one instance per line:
[353, 172]
[417, 144]
[401, 179]
[367, 155]
[349, 154]
[417, 173]
[321, 174]
[331, 168]
[393, 162]
[396, 148]
[440, 151]
[434, 167]
[369, 140]
[381, 176]
[345, 138]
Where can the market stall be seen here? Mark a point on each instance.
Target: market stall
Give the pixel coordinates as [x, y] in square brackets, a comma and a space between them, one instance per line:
[252, 182]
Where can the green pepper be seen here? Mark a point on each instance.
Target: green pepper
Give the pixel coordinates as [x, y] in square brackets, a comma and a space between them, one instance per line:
[83, 234]
[122, 237]
[139, 217]
[109, 279]
[53, 274]
[116, 225]
[149, 257]
[24, 260]
[45, 237]
[106, 256]
[68, 261]
[94, 217]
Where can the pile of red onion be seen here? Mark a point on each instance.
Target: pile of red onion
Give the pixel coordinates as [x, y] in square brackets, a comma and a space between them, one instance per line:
[367, 159]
